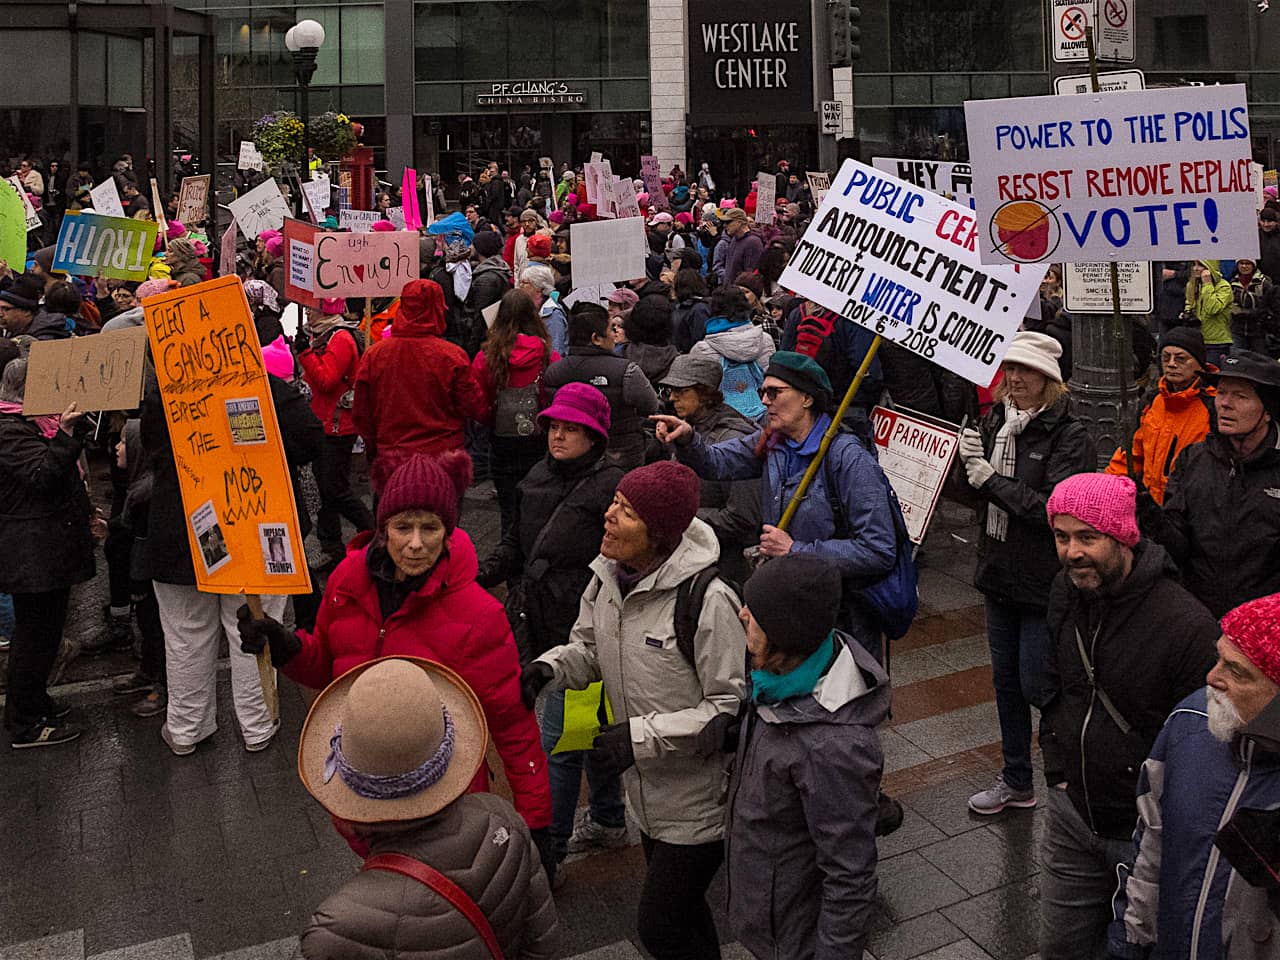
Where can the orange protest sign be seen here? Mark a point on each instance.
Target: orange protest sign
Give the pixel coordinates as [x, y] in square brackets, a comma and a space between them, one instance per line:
[242, 521]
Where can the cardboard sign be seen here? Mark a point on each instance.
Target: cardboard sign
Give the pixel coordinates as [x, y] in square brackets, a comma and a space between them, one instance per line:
[193, 199]
[409, 197]
[396, 216]
[1141, 175]
[915, 453]
[262, 208]
[227, 251]
[766, 192]
[316, 190]
[300, 262]
[819, 184]
[28, 208]
[13, 231]
[607, 251]
[903, 262]
[90, 244]
[651, 174]
[358, 221]
[102, 372]
[106, 200]
[951, 180]
[364, 264]
[624, 196]
[1087, 287]
[242, 522]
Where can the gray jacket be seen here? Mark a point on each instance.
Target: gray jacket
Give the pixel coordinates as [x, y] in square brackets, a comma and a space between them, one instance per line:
[629, 643]
[800, 843]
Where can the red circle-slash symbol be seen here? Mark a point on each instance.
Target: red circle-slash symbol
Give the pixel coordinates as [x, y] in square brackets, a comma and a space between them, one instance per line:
[1116, 13]
[1073, 23]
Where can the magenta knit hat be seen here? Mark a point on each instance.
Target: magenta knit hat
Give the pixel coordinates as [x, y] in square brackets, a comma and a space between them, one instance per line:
[275, 246]
[665, 496]
[1254, 627]
[423, 482]
[383, 226]
[579, 403]
[1106, 503]
[278, 358]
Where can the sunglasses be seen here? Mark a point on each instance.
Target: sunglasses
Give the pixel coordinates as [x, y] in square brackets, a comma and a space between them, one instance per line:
[771, 393]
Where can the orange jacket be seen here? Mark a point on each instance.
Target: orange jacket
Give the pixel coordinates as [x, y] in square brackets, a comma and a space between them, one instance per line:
[1169, 425]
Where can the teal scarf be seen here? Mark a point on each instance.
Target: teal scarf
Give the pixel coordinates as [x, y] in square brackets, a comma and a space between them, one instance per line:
[769, 687]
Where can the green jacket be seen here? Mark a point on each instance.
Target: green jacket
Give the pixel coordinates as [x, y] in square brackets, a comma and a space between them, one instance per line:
[1211, 303]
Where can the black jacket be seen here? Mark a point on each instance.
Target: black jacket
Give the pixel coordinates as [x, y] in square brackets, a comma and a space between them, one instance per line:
[630, 395]
[490, 281]
[1054, 446]
[1151, 644]
[730, 507]
[45, 542]
[1221, 521]
[1269, 252]
[689, 322]
[544, 588]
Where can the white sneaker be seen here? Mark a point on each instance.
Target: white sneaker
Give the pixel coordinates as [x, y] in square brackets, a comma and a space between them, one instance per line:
[589, 835]
[1000, 796]
[179, 749]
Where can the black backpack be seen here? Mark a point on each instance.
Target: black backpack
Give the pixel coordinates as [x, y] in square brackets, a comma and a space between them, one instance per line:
[689, 598]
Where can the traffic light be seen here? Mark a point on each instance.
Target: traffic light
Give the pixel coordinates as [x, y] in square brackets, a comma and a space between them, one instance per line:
[839, 22]
[855, 34]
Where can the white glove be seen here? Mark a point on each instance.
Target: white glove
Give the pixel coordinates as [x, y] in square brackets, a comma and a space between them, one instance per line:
[970, 444]
[978, 471]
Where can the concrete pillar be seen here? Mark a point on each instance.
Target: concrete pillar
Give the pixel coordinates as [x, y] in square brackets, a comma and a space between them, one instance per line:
[668, 81]
[1096, 362]
[399, 89]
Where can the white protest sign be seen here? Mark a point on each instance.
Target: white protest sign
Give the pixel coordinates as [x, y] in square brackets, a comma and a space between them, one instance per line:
[596, 156]
[606, 202]
[429, 211]
[766, 192]
[358, 221]
[915, 454]
[903, 263]
[951, 180]
[1146, 174]
[1108, 82]
[396, 216]
[1069, 20]
[1088, 287]
[592, 294]
[819, 184]
[608, 251]
[302, 266]
[624, 196]
[317, 191]
[106, 199]
[250, 158]
[32, 217]
[262, 208]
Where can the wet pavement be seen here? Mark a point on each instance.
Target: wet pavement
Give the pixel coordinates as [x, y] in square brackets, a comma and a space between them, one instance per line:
[113, 848]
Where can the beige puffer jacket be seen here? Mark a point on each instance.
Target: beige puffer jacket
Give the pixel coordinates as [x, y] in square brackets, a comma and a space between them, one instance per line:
[629, 643]
[481, 844]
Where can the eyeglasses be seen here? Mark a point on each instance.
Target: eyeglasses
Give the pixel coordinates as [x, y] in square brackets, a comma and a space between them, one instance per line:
[771, 393]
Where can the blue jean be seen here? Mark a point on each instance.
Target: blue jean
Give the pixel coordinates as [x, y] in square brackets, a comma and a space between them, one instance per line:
[1019, 642]
[564, 770]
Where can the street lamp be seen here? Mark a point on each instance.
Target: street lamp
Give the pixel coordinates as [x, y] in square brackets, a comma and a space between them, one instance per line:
[303, 41]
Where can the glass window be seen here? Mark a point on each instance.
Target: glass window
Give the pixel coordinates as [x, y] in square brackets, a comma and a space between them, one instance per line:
[932, 36]
[93, 69]
[44, 79]
[124, 72]
[1181, 42]
[363, 45]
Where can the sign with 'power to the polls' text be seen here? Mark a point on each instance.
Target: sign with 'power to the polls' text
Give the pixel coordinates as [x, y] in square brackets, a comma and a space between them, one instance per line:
[1139, 175]
[903, 262]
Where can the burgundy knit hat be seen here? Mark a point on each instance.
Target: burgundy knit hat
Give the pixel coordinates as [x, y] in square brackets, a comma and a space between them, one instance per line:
[422, 482]
[1106, 503]
[1254, 627]
[665, 496]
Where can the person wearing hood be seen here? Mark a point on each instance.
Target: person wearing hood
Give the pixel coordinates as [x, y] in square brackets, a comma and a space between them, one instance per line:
[22, 315]
[490, 277]
[185, 267]
[1178, 416]
[1254, 308]
[647, 328]
[509, 369]
[1126, 644]
[800, 844]
[740, 347]
[664, 692]
[414, 390]
[1209, 299]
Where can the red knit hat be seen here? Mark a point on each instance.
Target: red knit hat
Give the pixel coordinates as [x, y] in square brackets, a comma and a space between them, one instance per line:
[1254, 627]
[1106, 503]
[538, 246]
[665, 496]
[422, 482]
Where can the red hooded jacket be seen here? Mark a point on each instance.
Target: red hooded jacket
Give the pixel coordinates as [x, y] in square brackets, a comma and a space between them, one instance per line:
[330, 371]
[414, 389]
[451, 620]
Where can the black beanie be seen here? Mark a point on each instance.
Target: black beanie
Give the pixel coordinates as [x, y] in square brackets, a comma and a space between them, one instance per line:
[1186, 338]
[487, 243]
[795, 599]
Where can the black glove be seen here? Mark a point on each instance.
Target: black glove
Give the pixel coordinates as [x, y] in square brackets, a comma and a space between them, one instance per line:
[720, 735]
[257, 635]
[532, 679]
[611, 750]
[546, 845]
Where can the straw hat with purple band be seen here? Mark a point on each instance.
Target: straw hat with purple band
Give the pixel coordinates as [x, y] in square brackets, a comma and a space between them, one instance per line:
[398, 738]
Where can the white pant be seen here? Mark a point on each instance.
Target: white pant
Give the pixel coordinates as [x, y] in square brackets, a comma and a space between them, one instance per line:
[193, 627]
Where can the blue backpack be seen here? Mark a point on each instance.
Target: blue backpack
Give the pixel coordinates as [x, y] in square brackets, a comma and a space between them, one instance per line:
[740, 382]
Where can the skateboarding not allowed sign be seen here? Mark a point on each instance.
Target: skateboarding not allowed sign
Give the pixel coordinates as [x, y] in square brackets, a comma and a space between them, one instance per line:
[1070, 19]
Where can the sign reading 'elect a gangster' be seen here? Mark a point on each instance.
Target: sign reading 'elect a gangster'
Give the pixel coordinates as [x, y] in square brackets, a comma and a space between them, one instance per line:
[750, 57]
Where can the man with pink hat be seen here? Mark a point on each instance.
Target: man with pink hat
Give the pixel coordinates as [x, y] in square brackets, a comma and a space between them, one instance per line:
[1126, 643]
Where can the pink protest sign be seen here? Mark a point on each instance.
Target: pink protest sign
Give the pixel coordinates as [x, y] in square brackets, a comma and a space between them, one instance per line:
[409, 198]
[651, 174]
[364, 264]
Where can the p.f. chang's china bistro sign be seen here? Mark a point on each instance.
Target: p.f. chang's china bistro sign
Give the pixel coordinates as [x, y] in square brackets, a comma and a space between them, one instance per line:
[520, 92]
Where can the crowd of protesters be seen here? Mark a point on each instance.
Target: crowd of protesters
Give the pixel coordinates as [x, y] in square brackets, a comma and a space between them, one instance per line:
[648, 619]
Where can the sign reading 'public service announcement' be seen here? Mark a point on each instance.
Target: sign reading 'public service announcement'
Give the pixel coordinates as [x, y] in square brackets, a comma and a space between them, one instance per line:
[1138, 175]
[903, 262]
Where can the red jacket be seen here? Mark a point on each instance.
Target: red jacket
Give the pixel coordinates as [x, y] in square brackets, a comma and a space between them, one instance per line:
[330, 371]
[509, 248]
[414, 389]
[453, 621]
[527, 361]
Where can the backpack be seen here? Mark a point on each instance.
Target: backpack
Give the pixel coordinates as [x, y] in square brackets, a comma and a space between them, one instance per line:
[813, 339]
[689, 598]
[740, 382]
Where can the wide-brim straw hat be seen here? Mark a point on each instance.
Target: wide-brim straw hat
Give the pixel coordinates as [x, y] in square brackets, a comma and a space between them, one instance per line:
[389, 710]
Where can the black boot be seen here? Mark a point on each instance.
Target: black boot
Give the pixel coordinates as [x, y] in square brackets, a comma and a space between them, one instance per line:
[117, 636]
[889, 815]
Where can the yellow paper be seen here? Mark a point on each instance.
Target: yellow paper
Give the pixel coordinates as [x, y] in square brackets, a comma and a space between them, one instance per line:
[582, 718]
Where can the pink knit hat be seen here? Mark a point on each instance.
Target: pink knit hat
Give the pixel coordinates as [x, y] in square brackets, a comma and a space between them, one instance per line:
[275, 246]
[278, 359]
[1106, 503]
[332, 306]
[176, 230]
[149, 288]
[383, 226]
[423, 482]
[1254, 627]
[665, 496]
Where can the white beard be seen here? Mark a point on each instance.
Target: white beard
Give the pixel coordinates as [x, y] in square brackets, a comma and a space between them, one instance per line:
[1224, 719]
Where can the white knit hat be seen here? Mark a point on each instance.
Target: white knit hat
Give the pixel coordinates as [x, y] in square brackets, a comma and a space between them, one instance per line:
[1039, 351]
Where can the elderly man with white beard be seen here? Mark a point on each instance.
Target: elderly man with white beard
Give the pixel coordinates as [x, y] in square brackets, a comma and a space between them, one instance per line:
[1214, 767]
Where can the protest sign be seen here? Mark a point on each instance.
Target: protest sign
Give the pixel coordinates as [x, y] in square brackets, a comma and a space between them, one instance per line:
[396, 216]
[102, 372]
[90, 244]
[157, 208]
[242, 522]
[1259, 188]
[28, 208]
[193, 199]
[904, 263]
[606, 202]
[592, 294]
[250, 158]
[106, 199]
[607, 251]
[427, 191]
[300, 262]
[624, 197]
[766, 192]
[227, 251]
[819, 184]
[1087, 287]
[651, 174]
[358, 221]
[364, 264]
[1134, 175]
[316, 191]
[596, 156]
[262, 208]
[952, 180]
[409, 198]
[13, 231]
[915, 454]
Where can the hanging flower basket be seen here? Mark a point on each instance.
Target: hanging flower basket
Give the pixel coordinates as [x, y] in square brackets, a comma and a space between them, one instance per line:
[332, 135]
[278, 137]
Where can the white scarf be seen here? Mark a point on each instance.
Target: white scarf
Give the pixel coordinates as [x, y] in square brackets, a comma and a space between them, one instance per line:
[1004, 457]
